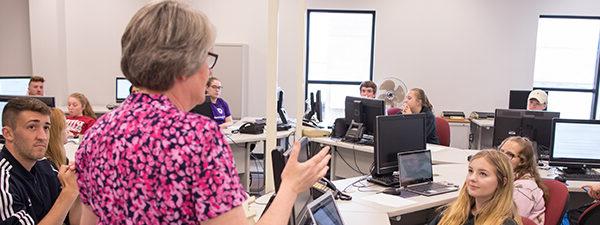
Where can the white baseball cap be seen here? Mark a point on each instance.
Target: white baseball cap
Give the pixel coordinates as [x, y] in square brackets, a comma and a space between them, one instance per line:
[539, 95]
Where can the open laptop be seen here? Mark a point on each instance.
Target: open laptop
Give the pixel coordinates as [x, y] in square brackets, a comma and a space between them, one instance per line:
[324, 211]
[416, 174]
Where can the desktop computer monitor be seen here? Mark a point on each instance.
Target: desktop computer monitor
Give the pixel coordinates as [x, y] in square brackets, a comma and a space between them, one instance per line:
[397, 133]
[517, 99]
[535, 125]
[14, 85]
[316, 108]
[575, 144]
[122, 89]
[364, 110]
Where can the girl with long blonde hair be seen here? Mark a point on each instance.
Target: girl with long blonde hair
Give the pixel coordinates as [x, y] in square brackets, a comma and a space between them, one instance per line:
[530, 192]
[486, 197]
[58, 137]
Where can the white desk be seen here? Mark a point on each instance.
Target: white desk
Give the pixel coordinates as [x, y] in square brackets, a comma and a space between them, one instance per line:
[361, 156]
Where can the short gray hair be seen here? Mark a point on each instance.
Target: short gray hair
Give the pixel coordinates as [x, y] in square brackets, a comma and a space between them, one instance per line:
[165, 40]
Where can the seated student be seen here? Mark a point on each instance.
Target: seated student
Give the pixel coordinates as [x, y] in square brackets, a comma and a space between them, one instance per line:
[133, 89]
[537, 100]
[35, 86]
[594, 193]
[529, 190]
[368, 89]
[486, 197]
[417, 102]
[58, 138]
[220, 109]
[81, 116]
[32, 191]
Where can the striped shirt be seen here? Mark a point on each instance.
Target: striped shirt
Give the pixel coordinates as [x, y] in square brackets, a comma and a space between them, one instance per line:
[26, 196]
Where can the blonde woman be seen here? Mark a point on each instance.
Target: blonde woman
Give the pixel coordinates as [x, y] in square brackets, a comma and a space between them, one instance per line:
[529, 190]
[81, 116]
[486, 195]
[58, 138]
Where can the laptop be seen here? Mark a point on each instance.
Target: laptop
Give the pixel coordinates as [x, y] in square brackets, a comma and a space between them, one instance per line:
[416, 174]
[324, 211]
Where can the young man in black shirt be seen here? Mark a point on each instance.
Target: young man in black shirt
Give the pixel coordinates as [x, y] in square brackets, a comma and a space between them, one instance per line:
[31, 190]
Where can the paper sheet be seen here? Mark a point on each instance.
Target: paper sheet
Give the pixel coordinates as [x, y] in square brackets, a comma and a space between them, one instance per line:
[388, 200]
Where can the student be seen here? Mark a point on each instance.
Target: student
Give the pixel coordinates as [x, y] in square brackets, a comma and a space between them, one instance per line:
[32, 191]
[81, 116]
[368, 89]
[594, 193]
[417, 102]
[529, 190]
[220, 109]
[150, 161]
[486, 197]
[133, 89]
[36, 86]
[537, 100]
[58, 138]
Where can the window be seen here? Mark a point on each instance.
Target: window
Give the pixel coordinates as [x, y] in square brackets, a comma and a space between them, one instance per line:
[566, 64]
[339, 51]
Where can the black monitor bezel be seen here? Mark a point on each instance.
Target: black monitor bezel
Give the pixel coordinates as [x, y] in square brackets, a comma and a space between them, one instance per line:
[498, 117]
[117, 99]
[368, 121]
[405, 183]
[379, 168]
[515, 101]
[571, 162]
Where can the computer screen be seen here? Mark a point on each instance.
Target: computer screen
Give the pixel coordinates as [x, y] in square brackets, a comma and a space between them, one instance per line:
[536, 125]
[314, 107]
[518, 99]
[415, 167]
[395, 134]
[575, 143]
[14, 85]
[122, 89]
[324, 211]
[364, 110]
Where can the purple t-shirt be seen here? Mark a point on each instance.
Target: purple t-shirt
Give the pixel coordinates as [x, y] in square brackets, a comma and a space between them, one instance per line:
[147, 162]
[220, 110]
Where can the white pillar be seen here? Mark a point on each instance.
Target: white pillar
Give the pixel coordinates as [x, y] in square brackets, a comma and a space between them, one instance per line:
[272, 23]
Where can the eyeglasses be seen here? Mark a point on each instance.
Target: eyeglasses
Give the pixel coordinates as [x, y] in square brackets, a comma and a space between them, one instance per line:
[216, 87]
[211, 60]
[508, 153]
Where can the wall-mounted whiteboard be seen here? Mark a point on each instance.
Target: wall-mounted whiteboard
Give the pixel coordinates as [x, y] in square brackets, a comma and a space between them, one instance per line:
[232, 70]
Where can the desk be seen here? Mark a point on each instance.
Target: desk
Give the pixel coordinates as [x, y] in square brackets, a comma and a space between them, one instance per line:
[362, 156]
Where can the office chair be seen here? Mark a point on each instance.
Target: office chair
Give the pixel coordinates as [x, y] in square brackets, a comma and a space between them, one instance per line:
[442, 129]
[558, 195]
[591, 215]
[393, 111]
[527, 221]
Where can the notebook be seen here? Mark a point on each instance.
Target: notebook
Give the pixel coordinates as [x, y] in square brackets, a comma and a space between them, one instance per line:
[324, 211]
[416, 174]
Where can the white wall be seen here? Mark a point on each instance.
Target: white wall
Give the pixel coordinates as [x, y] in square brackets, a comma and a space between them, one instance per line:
[466, 54]
[15, 47]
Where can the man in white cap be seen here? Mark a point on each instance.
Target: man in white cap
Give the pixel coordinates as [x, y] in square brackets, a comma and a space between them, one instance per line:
[538, 100]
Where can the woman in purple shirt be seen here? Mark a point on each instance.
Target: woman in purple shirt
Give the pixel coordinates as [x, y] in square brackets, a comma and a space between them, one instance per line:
[150, 161]
[220, 109]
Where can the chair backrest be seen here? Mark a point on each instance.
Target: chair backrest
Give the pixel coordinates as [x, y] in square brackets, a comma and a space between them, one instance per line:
[558, 194]
[527, 221]
[591, 215]
[442, 129]
[393, 111]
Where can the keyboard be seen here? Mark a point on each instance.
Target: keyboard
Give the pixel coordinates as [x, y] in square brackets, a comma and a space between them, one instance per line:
[388, 181]
[426, 187]
[582, 176]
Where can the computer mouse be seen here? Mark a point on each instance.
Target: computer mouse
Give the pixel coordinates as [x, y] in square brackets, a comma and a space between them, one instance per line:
[561, 178]
[392, 191]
